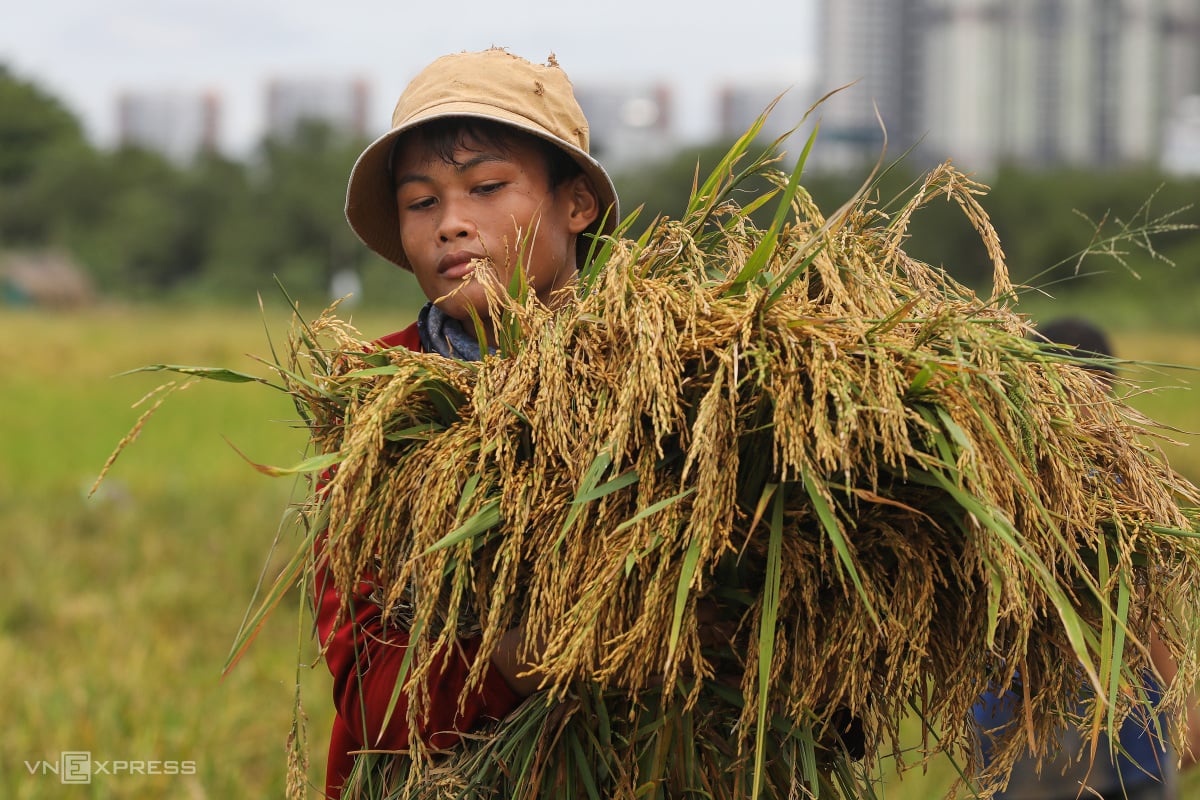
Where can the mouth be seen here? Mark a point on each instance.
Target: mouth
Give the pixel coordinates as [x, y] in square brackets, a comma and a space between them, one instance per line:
[458, 265]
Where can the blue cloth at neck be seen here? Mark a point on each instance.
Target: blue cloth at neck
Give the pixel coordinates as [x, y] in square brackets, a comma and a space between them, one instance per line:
[443, 334]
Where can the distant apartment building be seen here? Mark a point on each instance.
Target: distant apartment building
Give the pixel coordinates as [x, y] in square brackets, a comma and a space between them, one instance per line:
[631, 124]
[179, 125]
[740, 104]
[1181, 145]
[343, 104]
[1032, 82]
[870, 59]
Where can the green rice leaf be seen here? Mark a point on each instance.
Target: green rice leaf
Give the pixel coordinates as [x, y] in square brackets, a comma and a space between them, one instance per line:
[833, 529]
[769, 617]
[654, 508]
[682, 591]
[309, 466]
[484, 519]
[592, 476]
[208, 373]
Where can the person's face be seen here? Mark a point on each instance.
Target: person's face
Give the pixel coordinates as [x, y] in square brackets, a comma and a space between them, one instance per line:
[491, 203]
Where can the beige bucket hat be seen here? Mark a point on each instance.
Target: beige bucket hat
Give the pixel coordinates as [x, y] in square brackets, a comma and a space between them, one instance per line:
[491, 84]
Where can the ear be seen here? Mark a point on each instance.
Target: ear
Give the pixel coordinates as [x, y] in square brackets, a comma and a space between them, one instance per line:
[583, 203]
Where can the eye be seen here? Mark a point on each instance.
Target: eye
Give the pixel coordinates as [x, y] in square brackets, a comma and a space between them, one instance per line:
[491, 187]
[419, 204]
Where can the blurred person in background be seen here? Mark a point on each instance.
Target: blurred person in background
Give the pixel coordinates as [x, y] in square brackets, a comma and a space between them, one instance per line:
[1142, 765]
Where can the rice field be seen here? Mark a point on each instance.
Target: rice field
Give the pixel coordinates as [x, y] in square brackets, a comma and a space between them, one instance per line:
[118, 611]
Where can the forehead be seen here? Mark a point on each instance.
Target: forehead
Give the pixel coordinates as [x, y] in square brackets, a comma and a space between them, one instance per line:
[461, 150]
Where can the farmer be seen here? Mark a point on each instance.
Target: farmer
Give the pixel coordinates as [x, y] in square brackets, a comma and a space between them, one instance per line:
[485, 168]
[1144, 766]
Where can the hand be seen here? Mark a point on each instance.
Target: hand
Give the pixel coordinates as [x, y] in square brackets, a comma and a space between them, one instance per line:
[521, 674]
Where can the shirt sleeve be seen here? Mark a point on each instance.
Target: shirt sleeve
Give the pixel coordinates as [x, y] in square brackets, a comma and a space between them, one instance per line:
[364, 655]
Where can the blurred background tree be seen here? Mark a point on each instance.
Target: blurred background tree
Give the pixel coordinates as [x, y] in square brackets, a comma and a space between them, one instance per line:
[36, 131]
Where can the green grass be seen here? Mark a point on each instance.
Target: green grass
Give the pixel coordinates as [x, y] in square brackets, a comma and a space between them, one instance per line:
[118, 611]
[1168, 394]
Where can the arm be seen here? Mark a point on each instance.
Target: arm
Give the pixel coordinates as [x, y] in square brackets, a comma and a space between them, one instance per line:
[364, 656]
[519, 674]
[1168, 669]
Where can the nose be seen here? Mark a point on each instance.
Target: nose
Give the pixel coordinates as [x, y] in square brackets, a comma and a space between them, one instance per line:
[455, 221]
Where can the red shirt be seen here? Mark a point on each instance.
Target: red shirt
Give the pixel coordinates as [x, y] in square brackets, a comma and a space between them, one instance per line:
[364, 655]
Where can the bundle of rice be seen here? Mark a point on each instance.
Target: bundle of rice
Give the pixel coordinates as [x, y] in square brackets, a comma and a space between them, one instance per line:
[887, 492]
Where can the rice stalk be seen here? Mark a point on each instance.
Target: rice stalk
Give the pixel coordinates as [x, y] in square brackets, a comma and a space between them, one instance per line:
[889, 493]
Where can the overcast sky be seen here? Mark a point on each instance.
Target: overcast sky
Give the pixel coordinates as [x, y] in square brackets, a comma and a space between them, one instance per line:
[86, 52]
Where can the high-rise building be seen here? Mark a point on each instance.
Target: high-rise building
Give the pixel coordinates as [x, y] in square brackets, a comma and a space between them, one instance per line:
[1032, 82]
[179, 125]
[343, 104]
[740, 104]
[871, 60]
[1076, 82]
[966, 101]
[1181, 148]
[630, 124]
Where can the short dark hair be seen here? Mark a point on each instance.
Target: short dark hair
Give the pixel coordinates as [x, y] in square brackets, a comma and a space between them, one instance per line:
[1076, 336]
[443, 137]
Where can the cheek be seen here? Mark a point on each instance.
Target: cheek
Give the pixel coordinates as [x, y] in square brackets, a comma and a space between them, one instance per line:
[502, 235]
[411, 241]
[423, 268]
[526, 214]
[408, 226]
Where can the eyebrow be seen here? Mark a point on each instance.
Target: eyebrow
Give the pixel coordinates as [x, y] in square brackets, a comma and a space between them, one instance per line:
[482, 158]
